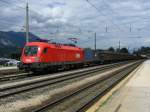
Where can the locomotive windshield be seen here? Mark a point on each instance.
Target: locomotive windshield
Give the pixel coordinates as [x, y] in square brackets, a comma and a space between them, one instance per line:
[30, 50]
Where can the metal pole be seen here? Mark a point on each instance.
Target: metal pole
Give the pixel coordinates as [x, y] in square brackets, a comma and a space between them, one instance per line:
[106, 29]
[27, 23]
[119, 46]
[130, 27]
[95, 43]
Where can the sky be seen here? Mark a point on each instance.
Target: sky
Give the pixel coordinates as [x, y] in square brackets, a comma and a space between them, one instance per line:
[126, 21]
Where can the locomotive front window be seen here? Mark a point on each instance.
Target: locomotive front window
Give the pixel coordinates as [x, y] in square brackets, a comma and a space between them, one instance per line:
[30, 50]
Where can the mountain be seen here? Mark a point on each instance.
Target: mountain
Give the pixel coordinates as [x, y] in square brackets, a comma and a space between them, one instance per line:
[12, 42]
[16, 39]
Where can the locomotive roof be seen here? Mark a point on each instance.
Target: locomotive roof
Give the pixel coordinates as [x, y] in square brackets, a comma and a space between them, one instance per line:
[53, 45]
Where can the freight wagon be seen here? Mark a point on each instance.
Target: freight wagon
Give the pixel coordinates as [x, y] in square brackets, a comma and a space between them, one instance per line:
[109, 57]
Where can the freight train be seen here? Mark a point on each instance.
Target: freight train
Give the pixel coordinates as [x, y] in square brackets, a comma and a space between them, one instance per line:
[37, 56]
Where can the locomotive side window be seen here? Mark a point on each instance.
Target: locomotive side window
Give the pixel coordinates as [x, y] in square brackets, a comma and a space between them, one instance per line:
[30, 50]
[45, 50]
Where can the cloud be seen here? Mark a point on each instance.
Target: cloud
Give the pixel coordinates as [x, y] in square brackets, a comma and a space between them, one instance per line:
[77, 18]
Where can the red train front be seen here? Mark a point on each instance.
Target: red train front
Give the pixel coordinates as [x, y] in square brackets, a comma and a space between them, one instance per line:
[42, 55]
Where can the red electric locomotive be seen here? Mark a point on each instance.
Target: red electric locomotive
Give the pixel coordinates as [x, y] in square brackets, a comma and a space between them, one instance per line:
[48, 56]
[37, 56]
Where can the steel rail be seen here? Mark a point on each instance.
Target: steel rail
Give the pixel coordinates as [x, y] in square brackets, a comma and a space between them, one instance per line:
[125, 71]
[10, 75]
[21, 87]
[123, 74]
[14, 77]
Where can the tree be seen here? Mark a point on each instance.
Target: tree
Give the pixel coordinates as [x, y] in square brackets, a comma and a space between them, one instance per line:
[124, 50]
[111, 49]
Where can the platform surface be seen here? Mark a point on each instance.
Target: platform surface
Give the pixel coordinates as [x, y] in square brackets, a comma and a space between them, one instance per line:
[134, 96]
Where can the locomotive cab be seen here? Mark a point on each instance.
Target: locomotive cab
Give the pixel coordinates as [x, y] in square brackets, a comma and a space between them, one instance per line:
[30, 58]
[30, 54]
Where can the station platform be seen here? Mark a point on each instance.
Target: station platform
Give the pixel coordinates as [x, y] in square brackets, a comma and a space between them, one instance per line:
[134, 96]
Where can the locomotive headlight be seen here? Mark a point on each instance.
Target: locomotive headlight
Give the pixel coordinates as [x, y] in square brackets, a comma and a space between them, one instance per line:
[36, 59]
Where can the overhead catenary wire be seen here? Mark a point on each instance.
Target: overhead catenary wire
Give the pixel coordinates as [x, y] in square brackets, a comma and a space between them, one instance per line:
[6, 23]
[36, 13]
[6, 2]
[24, 8]
[112, 11]
[32, 11]
[20, 7]
[101, 13]
[129, 24]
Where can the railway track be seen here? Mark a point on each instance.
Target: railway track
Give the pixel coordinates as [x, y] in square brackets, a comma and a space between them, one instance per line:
[26, 85]
[8, 75]
[14, 76]
[80, 99]
[7, 71]
[13, 89]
